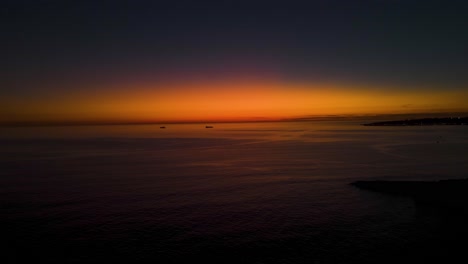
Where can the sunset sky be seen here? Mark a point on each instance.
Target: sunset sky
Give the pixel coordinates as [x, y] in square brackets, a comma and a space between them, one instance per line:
[179, 61]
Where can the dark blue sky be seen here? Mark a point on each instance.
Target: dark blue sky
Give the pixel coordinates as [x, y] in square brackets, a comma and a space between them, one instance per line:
[56, 43]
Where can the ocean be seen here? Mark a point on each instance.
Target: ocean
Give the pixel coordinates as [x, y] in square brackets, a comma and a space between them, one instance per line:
[262, 192]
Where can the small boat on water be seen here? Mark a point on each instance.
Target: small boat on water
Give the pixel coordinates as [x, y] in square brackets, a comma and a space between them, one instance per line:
[162, 127]
[208, 126]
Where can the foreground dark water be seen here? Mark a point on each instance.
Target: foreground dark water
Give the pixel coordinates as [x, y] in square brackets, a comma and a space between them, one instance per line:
[237, 193]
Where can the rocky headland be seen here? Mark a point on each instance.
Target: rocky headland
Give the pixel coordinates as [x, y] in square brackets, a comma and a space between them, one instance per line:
[446, 121]
[448, 194]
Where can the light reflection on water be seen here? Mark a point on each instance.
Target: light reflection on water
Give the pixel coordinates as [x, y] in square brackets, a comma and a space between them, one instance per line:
[261, 130]
[239, 192]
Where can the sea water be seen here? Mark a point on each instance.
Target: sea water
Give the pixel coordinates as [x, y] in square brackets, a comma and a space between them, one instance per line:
[235, 193]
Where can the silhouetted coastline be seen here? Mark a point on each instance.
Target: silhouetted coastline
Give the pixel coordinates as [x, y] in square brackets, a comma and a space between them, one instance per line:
[423, 122]
[447, 194]
[442, 204]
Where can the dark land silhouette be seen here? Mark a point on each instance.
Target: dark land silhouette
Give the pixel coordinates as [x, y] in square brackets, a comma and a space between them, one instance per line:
[441, 210]
[446, 194]
[423, 122]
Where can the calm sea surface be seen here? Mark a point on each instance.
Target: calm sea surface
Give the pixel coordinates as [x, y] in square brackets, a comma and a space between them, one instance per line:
[235, 193]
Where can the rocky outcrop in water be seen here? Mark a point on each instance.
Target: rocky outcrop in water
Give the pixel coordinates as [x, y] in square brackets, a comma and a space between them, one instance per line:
[450, 194]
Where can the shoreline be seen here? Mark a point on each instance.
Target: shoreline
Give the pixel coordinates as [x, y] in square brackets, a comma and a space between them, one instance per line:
[446, 121]
[448, 194]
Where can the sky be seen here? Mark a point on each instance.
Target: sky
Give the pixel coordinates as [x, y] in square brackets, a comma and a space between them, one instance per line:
[185, 61]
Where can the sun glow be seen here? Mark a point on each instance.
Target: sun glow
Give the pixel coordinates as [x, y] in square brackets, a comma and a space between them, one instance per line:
[226, 101]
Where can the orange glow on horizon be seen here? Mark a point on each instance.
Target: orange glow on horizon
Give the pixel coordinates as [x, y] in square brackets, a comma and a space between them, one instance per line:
[228, 101]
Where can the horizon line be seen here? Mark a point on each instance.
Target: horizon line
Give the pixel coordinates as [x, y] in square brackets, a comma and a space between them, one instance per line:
[258, 120]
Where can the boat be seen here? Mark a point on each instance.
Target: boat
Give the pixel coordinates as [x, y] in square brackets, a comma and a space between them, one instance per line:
[208, 126]
[162, 127]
